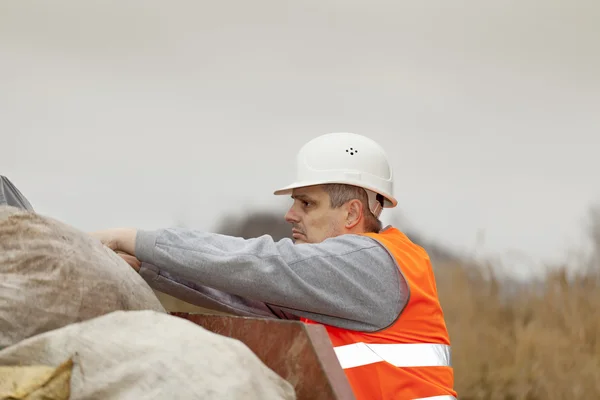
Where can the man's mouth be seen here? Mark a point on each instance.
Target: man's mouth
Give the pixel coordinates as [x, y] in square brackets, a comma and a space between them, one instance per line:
[296, 234]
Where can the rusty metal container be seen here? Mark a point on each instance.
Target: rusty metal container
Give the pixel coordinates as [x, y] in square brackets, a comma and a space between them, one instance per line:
[300, 353]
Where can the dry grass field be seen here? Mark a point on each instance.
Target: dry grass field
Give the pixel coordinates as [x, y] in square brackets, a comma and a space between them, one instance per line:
[525, 342]
[535, 344]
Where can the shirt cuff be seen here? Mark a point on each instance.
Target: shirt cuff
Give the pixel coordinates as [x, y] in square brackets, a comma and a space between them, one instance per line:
[145, 241]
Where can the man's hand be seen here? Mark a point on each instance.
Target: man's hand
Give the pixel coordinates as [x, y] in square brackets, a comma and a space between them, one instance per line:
[131, 260]
[119, 239]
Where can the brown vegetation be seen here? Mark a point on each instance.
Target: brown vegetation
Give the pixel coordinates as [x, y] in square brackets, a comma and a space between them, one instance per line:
[525, 341]
[541, 343]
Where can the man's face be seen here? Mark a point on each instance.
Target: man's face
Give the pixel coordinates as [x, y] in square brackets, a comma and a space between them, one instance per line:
[312, 218]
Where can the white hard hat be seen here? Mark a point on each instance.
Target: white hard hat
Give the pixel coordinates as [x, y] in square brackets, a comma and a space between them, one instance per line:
[345, 158]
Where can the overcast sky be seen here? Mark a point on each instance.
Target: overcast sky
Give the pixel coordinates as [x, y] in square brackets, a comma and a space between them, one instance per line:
[152, 113]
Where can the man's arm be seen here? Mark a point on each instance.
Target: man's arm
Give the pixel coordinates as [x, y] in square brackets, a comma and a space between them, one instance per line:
[122, 241]
[207, 297]
[350, 281]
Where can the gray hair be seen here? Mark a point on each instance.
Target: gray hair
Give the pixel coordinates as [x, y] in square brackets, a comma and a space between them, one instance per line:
[340, 194]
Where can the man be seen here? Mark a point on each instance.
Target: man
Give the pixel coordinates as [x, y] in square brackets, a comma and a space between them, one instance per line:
[372, 288]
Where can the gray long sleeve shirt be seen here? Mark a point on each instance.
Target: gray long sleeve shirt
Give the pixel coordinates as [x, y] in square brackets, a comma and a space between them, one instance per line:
[350, 281]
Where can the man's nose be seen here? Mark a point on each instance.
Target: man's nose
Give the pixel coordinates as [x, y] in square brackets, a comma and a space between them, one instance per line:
[291, 216]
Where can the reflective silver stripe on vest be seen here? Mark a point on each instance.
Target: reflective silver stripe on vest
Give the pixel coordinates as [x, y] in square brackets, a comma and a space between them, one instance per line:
[444, 397]
[400, 355]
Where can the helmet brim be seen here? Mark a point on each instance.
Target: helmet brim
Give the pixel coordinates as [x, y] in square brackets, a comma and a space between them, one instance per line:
[390, 201]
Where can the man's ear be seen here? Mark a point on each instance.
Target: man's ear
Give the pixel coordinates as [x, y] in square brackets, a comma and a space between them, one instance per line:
[354, 215]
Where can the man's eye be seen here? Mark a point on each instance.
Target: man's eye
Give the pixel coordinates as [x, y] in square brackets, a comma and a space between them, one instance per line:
[306, 203]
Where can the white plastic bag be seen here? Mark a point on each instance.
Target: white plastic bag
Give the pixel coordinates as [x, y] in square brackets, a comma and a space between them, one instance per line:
[149, 355]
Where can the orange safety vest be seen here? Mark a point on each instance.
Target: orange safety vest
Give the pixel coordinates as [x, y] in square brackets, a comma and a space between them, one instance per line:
[411, 358]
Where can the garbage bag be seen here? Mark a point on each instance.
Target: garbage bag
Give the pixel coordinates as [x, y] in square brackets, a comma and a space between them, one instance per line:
[150, 355]
[52, 275]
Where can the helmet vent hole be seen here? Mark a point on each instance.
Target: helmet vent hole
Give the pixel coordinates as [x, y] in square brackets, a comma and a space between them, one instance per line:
[351, 151]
